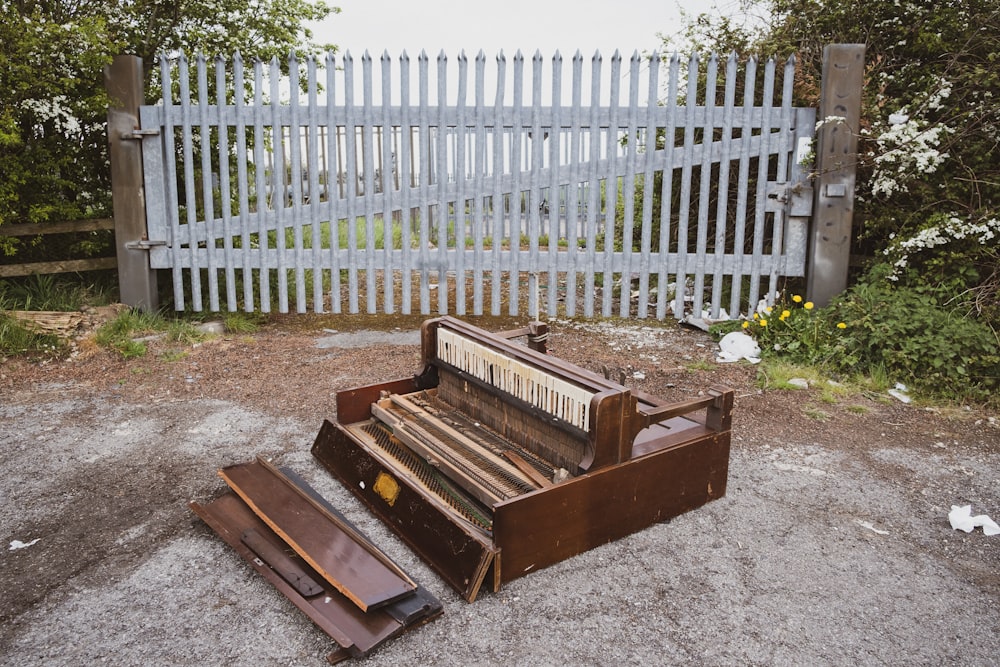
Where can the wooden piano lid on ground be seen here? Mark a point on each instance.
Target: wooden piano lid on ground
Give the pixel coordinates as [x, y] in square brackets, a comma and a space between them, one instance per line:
[356, 631]
[357, 569]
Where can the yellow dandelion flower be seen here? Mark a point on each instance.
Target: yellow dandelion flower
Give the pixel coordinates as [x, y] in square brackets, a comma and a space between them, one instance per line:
[808, 305]
[746, 324]
[768, 310]
[763, 323]
[841, 325]
[786, 314]
[756, 316]
[796, 298]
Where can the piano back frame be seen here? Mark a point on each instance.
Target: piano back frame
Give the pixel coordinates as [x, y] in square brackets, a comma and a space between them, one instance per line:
[608, 441]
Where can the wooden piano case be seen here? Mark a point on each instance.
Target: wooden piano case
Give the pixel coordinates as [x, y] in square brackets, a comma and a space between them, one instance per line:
[656, 461]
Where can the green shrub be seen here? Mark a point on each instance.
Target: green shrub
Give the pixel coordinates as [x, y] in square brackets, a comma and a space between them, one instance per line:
[916, 333]
[920, 335]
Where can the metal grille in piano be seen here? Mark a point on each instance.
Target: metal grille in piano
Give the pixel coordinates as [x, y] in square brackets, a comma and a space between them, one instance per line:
[424, 474]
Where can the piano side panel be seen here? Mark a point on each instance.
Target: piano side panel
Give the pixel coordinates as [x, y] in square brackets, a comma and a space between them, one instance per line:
[355, 405]
[453, 549]
[545, 527]
[608, 429]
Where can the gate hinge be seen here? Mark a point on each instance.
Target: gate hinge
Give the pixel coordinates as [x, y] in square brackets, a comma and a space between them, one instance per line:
[139, 134]
[144, 244]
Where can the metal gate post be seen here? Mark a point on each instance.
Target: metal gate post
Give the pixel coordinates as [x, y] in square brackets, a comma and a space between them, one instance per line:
[136, 280]
[836, 164]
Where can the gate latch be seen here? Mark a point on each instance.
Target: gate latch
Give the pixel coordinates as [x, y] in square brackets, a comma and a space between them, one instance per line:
[797, 198]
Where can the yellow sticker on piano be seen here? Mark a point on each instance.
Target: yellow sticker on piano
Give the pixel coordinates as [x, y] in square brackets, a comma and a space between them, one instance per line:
[387, 488]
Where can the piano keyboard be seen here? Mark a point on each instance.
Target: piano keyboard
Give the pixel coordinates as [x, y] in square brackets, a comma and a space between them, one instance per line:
[554, 395]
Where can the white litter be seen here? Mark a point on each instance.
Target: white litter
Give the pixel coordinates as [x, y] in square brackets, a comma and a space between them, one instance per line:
[737, 345]
[870, 526]
[961, 518]
[899, 392]
[706, 320]
[18, 544]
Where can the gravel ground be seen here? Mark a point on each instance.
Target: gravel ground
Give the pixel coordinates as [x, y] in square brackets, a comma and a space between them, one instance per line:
[831, 547]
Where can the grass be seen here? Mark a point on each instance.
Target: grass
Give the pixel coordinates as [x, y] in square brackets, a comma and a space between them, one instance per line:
[816, 413]
[119, 334]
[182, 331]
[700, 365]
[173, 355]
[38, 293]
[773, 374]
[778, 375]
[47, 292]
[243, 323]
[16, 339]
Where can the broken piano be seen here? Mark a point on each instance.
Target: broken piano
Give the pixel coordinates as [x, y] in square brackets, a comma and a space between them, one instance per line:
[497, 459]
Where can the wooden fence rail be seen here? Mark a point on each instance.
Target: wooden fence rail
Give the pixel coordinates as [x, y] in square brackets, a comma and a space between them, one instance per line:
[57, 266]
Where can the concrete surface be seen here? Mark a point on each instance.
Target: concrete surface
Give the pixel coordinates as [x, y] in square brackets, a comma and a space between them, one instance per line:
[816, 556]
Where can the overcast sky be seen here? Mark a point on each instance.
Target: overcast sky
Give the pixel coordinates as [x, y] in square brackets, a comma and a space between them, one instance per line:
[508, 25]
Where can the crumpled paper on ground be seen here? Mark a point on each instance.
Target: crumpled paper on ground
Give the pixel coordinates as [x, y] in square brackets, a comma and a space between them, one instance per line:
[961, 518]
[737, 345]
[18, 544]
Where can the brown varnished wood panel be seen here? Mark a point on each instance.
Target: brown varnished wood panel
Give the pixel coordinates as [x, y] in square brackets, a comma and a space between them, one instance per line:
[354, 405]
[547, 526]
[355, 568]
[454, 549]
[669, 433]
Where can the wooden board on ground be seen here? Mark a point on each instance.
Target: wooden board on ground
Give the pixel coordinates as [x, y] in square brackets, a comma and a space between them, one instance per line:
[356, 632]
[353, 566]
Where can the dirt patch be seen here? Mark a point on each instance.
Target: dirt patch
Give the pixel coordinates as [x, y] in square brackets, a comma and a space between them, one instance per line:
[832, 545]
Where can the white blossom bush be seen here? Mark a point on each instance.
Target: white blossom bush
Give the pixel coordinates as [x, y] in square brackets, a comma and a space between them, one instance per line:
[907, 145]
[985, 233]
[906, 151]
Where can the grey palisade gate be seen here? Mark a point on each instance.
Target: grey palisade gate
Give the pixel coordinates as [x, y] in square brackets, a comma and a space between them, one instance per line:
[523, 187]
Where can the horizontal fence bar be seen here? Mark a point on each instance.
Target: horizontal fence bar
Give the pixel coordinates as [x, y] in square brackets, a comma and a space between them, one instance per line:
[66, 266]
[57, 266]
[448, 116]
[449, 260]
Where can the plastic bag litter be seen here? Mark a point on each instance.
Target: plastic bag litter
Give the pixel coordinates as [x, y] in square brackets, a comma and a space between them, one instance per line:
[737, 345]
[899, 393]
[961, 518]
